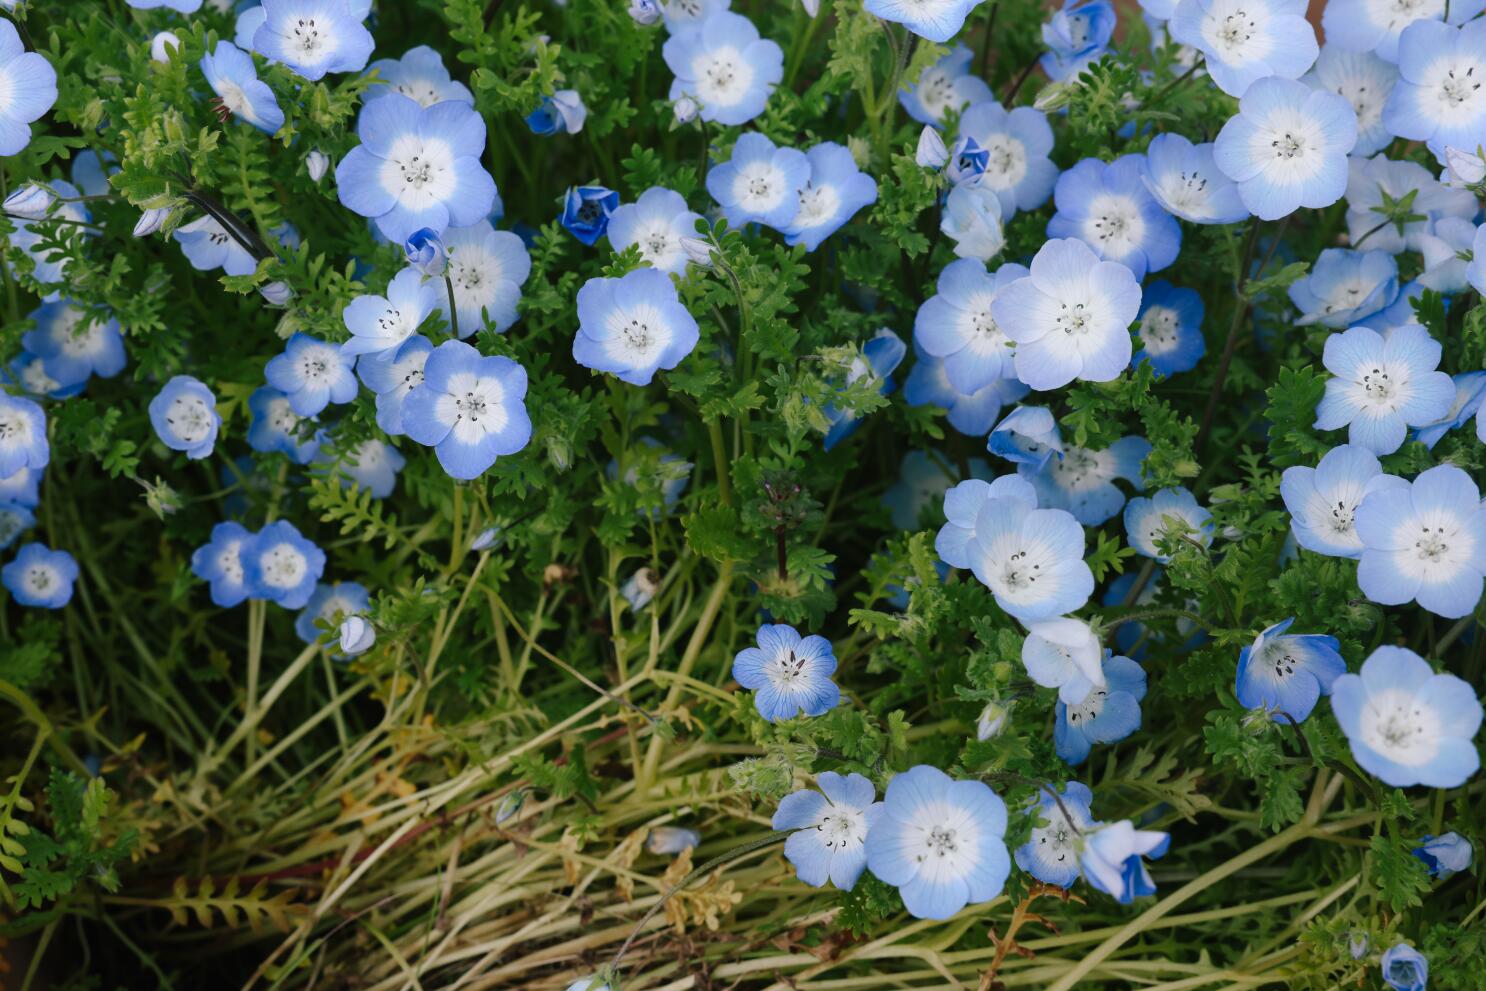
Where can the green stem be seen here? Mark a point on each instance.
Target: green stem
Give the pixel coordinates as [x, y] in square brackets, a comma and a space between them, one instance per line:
[33, 714]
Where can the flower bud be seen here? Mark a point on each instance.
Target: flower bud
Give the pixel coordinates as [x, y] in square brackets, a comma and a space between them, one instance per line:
[861, 151]
[931, 153]
[644, 11]
[559, 452]
[510, 805]
[685, 109]
[357, 635]
[671, 840]
[487, 538]
[698, 252]
[1357, 944]
[151, 221]
[317, 163]
[1054, 96]
[561, 113]
[641, 588]
[276, 293]
[30, 202]
[1467, 168]
[163, 44]
[992, 721]
[812, 7]
[425, 252]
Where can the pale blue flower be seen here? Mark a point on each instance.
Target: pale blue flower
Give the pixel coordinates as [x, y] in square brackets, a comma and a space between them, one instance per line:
[834, 192]
[1287, 673]
[314, 37]
[420, 76]
[923, 478]
[240, 93]
[671, 840]
[972, 220]
[75, 344]
[561, 113]
[1407, 725]
[657, 222]
[1082, 481]
[1323, 500]
[586, 211]
[470, 408]
[1111, 859]
[760, 183]
[1470, 391]
[27, 371]
[50, 265]
[1017, 143]
[40, 577]
[789, 675]
[249, 20]
[947, 86]
[972, 414]
[1185, 180]
[930, 152]
[1028, 435]
[1369, 179]
[184, 415]
[21, 488]
[23, 442]
[1345, 286]
[955, 541]
[633, 326]
[1404, 968]
[966, 162]
[1287, 147]
[1446, 855]
[15, 520]
[1382, 385]
[487, 268]
[425, 253]
[312, 373]
[1032, 560]
[1448, 253]
[725, 66]
[1051, 854]
[1366, 26]
[1070, 317]
[393, 380]
[280, 565]
[1064, 653]
[417, 167]
[829, 828]
[936, 20]
[329, 605]
[879, 359]
[28, 88]
[219, 563]
[682, 14]
[380, 325]
[1109, 208]
[1076, 36]
[356, 635]
[207, 246]
[276, 427]
[1166, 512]
[1437, 99]
[1424, 543]
[372, 465]
[1364, 81]
[1107, 715]
[1247, 40]
[956, 324]
[940, 842]
[1170, 329]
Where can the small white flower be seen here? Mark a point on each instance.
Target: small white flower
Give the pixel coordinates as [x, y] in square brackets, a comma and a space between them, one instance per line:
[316, 163]
[357, 635]
[972, 219]
[1064, 654]
[931, 153]
[992, 721]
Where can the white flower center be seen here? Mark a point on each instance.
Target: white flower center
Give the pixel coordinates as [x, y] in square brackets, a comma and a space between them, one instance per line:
[818, 204]
[841, 828]
[189, 417]
[283, 566]
[1395, 724]
[786, 670]
[230, 563]
[40, 579]
[1288, 145]
[723, 76]
[1158, 329]
[1089, 709]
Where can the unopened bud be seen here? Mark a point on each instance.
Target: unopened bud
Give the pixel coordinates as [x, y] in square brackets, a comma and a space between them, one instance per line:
[163, 44]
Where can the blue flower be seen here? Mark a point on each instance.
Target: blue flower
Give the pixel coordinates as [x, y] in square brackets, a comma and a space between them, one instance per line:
[1344, 286]
[1051, 854]
[276, 427]
[280, 565]
[830, 829]
[1076, 36]
[240, 93]
[1369, 179]
[1111, 859]
[1107, 715]
[426, 253]
[1017, 143]
[1434, 99]
[1445, 251]
[312, 374]
[1064, 653]
[671, 840]
[314, 37]
[725, 66]
[1082, 481]
[972, 414]
[1287, 147]
[682, 14]
[944, 87]
[23, 442]
[1382, 386]
[381, 325]
[330, 604]
[249, 20]
[21, 488]
[29, 84]
[1363, 26]
[1470, 392]
[879, 359]
[356, 635]
[393, 380]
[966, 161]
[972, 220]
[561, 113]
[1323, 500]
[956, 324]
[1406, 724]
[1247, 40]
[1363, 80]
[207, 246]
[1185, 179]
[760, 182]
[1287, 673]
[1032, 560]
[1070, 318]
[1170, 329]
[936, 20]
[1029, 435]
[940, 842]
[923, 478]
[219, 562]
[420, 76]
[74, 343]
[372, 465]
[1404, 968]
[27, 371]
[417, 167]
[40, 577]
[789, 675]
[586, 211]
[1109, 208]
[1426, 543]
[1446, 855]
[487, 268]
[962, 504]
[184, 415]
[832, 195]
[471, 409]
[657, 222]
[1164, 513]
[633, 326]
[15, 520]
[51, 265]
